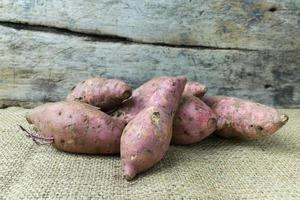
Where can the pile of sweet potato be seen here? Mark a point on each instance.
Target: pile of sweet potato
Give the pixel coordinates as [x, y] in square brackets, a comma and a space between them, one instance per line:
[104, 116]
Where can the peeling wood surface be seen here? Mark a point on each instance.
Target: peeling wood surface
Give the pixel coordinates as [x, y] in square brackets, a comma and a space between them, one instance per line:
[41, 66]
[240, 24]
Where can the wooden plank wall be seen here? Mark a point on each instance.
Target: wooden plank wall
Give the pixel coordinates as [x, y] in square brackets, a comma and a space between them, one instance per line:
[244, 48]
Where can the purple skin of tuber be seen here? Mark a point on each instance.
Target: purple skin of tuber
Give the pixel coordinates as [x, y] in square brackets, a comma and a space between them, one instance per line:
[193, 88]
[140, 96]
[146, 138]
[244, 119]
[193, 121]
[100, 92]
[211, 100]
[76, 127]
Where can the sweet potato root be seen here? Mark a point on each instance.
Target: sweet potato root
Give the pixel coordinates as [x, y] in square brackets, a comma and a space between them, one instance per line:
[211, 100]
[140, 96]
[147, 137]
[245, 119]
[193, 121]
[77, 127]
[101, 92]
[194, 88]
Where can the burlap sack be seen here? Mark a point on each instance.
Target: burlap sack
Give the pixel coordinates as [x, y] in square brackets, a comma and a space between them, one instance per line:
[212, 169]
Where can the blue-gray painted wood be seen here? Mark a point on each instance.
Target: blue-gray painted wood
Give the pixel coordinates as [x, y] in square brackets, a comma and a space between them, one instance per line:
[244, 24]
[41, 66]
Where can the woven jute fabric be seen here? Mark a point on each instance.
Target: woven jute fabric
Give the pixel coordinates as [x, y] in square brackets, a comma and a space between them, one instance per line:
[212, 169]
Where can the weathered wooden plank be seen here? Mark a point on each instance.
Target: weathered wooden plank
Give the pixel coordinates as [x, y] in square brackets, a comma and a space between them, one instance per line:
[247, 24]
[39, 66]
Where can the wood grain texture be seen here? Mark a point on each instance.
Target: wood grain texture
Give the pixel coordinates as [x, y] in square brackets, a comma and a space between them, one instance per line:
[244, 24]
[40, 66]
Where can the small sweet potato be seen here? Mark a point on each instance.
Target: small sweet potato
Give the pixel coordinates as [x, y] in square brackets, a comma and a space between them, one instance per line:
[101, 92]
[193, 121]
[77, 127]
[195, 89]
[245, 119]
[140, 96]
[146, 138]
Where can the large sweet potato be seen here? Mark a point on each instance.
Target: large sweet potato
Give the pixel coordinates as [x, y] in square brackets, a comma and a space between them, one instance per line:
[77, 127]
[101, 92]
[245, 119]
[193, 121]
[146, 138]
[140, 96]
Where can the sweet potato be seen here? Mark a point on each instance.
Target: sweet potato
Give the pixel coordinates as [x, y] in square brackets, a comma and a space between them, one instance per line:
[211, 100]
[101, 92]
[147, 137]
[195, 89]
[140, 96]
[193, 121]
[77, 127]
[245, 119]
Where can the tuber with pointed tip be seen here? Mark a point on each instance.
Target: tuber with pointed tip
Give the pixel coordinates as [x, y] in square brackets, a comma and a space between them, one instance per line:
[101, 92]
[140, 96]
[244, 119]
[76, 127]
[193, 88]
[146, 138]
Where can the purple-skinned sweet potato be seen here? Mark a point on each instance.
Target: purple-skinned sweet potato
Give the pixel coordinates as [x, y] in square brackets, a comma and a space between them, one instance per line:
[245, 119]
[211, 100]
[77, 127]
[100, 92]
[194, 88]
[193, 121]
[140, 96]
[146, 138]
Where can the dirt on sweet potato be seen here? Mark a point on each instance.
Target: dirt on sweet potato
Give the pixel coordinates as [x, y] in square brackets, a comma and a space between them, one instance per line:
[146, 138]
[77, 127]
